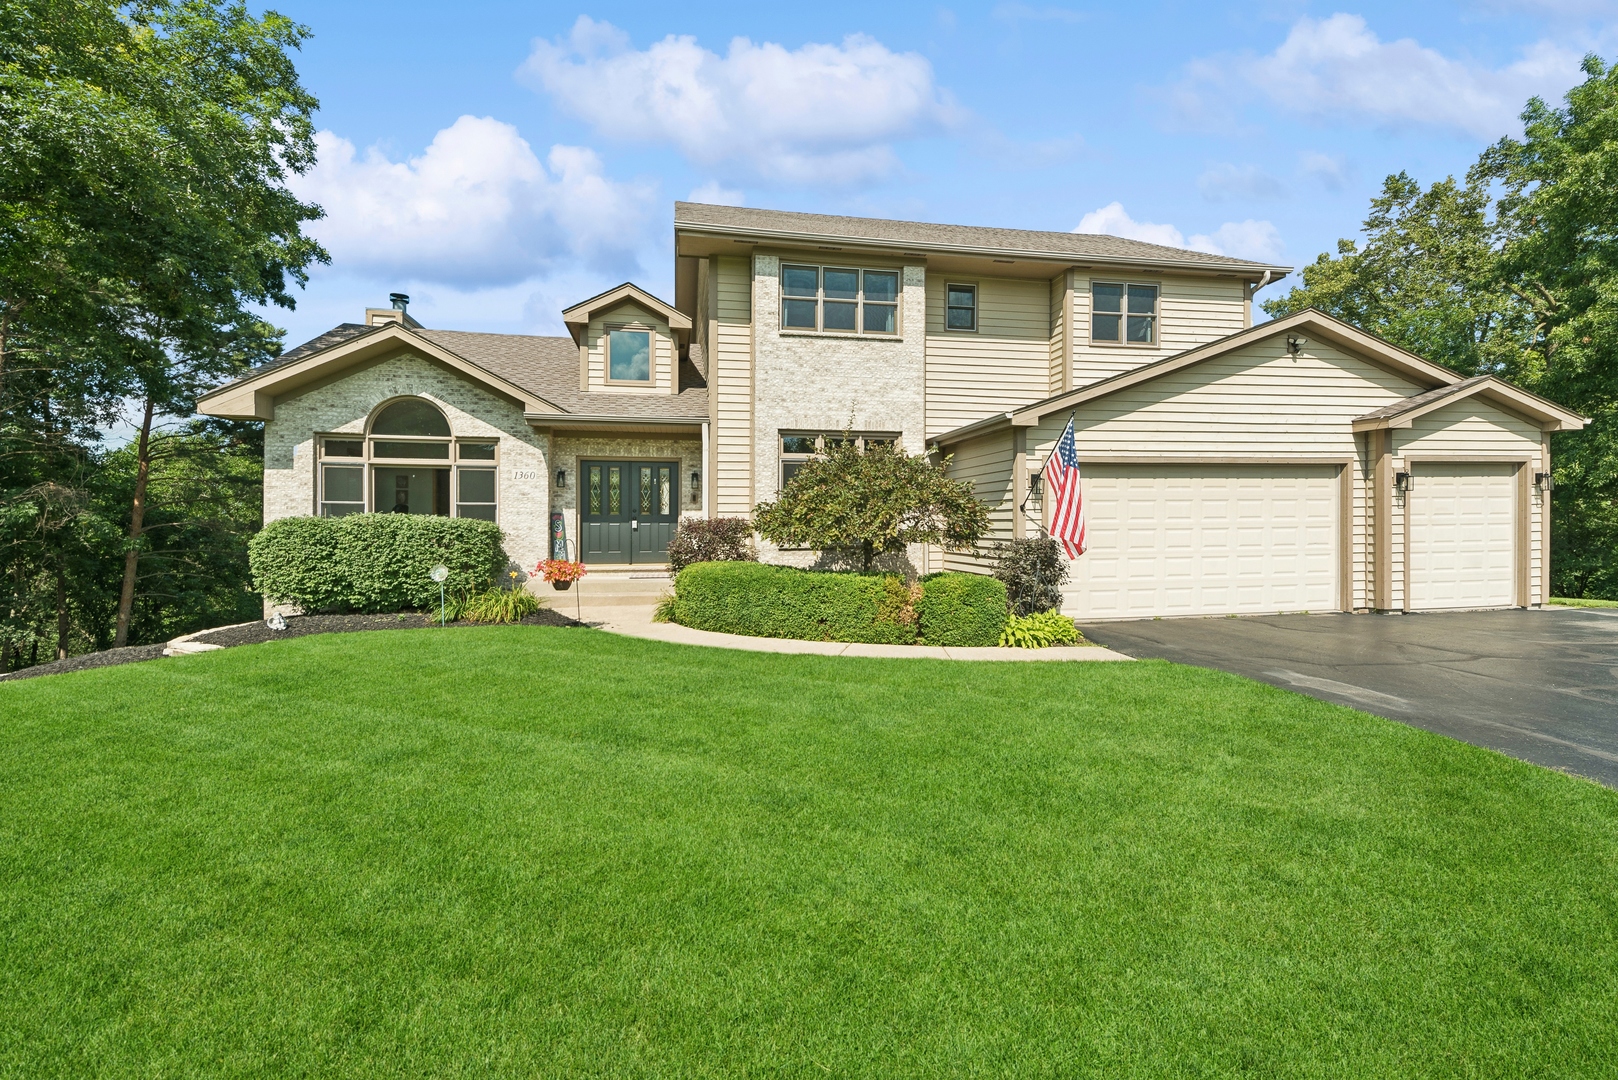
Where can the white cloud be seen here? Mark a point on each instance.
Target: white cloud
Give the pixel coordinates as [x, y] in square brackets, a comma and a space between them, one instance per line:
[819, 114]
[1226, 181]
[1332, 172]
[1240, 239]
[717, 194]
[1338, 68]
[477, 207]
[1114, 220]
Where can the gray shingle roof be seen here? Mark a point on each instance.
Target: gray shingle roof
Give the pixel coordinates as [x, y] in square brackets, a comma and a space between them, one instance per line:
[953, 237]
[1403, 405]
[545, 366]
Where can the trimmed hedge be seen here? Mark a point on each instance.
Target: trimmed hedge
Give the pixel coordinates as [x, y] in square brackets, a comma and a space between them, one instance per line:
[373, 562]
[967, 610]
[761, 600]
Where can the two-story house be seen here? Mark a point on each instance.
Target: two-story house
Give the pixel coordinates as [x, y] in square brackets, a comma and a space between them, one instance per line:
[1295, 465]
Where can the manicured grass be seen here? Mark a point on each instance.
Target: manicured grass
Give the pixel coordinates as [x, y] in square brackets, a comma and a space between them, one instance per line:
[545, 852]
[1567, 601]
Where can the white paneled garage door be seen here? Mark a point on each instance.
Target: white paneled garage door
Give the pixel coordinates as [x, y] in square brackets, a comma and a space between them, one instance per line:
[1463, 526]
[1206, 540]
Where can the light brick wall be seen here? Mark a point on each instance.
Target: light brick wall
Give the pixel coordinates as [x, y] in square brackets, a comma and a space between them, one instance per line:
[345, 405]
[828, 382]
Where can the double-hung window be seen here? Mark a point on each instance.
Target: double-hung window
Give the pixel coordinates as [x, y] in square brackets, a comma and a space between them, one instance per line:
[1123, 313]
[960, 307]
[839, 300]
[342, 477]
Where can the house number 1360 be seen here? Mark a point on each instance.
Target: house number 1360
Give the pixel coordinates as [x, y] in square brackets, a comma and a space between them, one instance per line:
[525, 474]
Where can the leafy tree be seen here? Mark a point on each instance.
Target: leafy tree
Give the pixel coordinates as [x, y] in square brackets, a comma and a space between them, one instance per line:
[870, 501]
[1033, 571]
[1513, 273]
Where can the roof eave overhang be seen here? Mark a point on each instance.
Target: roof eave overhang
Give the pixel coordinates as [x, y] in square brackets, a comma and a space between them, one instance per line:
[255, 397]
[583, 420]
[578, 317]
[971, 431]
[1547, 414]
[784, 237]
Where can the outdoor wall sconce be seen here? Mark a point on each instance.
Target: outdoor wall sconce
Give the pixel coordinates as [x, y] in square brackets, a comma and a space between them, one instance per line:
[696, 487]
[561, 478]
[1543, 481]
[1295, 344]
[1036, 490]
[1403, 481]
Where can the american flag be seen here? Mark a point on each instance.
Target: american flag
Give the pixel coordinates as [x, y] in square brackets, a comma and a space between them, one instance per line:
[1062, 477]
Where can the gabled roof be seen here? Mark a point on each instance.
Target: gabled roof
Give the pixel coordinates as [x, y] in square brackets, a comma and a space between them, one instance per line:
[539, 373]
[787, 227]
[1404, 413]
[579, 315]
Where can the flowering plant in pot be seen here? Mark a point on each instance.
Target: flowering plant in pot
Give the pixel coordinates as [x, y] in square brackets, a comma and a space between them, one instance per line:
[561, 573]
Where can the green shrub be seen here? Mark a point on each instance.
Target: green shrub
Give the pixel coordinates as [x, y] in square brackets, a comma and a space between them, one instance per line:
[1033, 569]
[373, 562]
[500, 605]
[710, 540]
[1040, 630]
[783, 602]
[961, 609]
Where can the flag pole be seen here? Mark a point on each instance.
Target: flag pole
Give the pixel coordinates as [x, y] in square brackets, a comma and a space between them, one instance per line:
[1022, 507]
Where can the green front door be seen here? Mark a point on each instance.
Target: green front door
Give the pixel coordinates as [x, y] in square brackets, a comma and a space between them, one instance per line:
[629, 510]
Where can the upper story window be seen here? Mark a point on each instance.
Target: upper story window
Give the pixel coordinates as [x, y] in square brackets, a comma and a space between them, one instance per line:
[960, 307]
[1123, 313]
[629, 356]
[839, 300]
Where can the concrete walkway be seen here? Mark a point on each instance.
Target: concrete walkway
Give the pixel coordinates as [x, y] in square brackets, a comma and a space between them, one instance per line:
[684, 635]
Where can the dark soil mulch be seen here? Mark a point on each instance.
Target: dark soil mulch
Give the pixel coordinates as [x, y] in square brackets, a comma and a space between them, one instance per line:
[105, 658]
[299, 625]
[255, 633]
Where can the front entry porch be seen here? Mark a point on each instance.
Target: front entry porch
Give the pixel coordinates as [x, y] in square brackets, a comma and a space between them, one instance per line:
[629, 510]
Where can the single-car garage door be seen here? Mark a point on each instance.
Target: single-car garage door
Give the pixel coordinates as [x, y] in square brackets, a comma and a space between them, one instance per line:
[1206, 540]
[1463, 525]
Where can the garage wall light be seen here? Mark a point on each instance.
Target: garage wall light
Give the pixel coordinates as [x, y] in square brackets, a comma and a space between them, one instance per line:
[1404, 481]
[1543, 481]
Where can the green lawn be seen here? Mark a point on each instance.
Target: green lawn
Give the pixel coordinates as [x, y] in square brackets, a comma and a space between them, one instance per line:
[1566, 601]
[535, 852]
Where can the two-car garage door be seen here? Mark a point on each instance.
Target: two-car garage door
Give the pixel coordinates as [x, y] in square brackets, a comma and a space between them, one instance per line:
[1207, 540]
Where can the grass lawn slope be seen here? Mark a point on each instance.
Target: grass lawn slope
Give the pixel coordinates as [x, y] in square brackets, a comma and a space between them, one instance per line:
[540, 852]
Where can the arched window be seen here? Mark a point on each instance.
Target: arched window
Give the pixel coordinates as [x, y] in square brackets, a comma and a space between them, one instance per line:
[414, 464]
[411, 416]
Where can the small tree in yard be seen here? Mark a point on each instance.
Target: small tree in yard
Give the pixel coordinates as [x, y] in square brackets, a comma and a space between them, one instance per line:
[1033, 571]
[866, 502]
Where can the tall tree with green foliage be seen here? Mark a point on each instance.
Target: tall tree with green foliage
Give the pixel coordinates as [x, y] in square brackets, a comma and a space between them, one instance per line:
[1512, 273]
[143, 205]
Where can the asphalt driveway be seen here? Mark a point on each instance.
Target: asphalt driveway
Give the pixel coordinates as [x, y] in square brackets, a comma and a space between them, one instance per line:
[1538, 685]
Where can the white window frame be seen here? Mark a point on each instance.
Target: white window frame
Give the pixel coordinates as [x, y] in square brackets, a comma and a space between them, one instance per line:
[1122, 341]
[976, 299]
[859, 300]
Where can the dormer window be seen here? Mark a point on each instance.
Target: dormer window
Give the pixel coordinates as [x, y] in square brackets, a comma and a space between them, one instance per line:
[629, 356]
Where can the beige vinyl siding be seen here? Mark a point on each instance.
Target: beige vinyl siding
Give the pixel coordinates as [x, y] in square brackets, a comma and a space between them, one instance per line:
[1061, 333]
[1005, 364]
[1255, 402]
[1192, 311]
[630, 317]
[731, 387]
[987, 463]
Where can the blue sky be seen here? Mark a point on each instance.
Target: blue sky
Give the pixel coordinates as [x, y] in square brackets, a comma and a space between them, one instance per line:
[500, 161]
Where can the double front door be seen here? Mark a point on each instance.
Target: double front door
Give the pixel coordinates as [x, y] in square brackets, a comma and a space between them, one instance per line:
[627, 510]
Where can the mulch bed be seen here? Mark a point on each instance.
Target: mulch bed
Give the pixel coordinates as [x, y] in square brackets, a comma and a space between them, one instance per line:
[257, 632]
